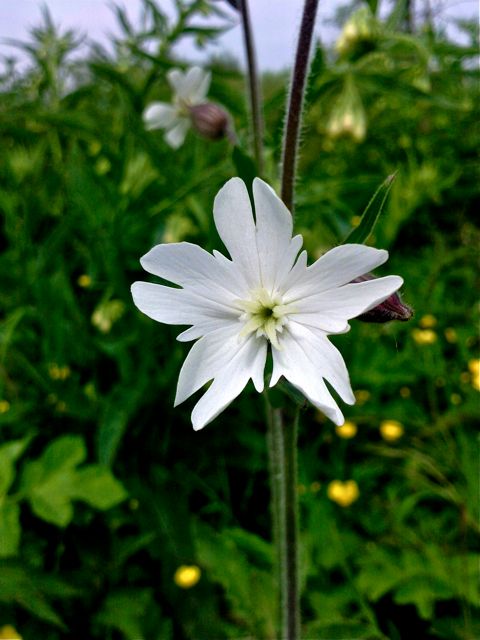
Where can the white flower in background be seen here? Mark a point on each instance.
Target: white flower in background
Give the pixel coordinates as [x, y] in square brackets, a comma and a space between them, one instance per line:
[190, 89]
[263, 295]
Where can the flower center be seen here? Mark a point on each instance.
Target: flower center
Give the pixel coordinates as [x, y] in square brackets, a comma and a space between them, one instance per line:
[264, 314]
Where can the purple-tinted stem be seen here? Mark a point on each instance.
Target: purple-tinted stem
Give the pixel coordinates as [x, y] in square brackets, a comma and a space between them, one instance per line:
[295, 103]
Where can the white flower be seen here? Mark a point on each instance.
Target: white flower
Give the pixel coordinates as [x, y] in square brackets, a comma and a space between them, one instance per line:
[189, 89]
[263, 295]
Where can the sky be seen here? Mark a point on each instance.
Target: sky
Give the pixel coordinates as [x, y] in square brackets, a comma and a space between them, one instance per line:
[275, 30]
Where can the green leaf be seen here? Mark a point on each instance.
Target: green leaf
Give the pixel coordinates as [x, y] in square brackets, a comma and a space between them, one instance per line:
[52, 482]
[9, 453]
[370, 217]
[96, 485]
[30, 590]
[124, 611]
[10, 529]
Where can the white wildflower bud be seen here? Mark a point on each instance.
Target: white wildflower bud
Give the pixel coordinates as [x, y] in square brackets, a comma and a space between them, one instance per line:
[211, 121]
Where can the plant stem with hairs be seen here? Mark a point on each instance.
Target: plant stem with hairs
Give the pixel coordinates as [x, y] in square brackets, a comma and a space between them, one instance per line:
[295, 103]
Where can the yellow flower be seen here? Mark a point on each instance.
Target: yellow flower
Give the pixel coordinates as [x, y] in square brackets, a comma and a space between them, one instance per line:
[424, 336]
[187, 576]
[84, 280]
[343, 493]
[4, 406]
[362, 395]
[474, 368]
[451, 335]
[428, 321]
[9, 633]
[58, 373]
[346, 430]
[391, 430]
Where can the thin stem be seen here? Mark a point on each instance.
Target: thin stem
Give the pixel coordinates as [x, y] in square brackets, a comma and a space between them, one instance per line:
[295, 103]
[254, 85]
[282, 441]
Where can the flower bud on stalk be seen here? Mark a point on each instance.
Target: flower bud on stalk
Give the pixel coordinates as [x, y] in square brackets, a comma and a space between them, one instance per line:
[211, 121]
[393, 308]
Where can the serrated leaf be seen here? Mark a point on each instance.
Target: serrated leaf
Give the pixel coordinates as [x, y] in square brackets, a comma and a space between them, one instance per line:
[52, 482]
[10, 529]
[370, 216]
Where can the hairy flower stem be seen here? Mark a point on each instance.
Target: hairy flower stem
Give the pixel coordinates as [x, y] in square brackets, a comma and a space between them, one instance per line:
[282, 445]
[295, 103]
[254, 85]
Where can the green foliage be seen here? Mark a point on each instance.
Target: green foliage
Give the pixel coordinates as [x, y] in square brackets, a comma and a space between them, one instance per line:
[105, 491]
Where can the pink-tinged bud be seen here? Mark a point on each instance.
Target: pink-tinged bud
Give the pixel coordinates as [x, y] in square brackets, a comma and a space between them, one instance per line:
[393, 308]
[211, 121]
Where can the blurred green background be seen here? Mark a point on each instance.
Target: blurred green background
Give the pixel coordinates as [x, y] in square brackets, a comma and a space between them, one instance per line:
[117, 521]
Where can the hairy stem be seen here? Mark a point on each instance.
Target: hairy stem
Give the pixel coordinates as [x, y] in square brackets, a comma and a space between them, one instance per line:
[254, 85]
[282, 445]
[295, 103]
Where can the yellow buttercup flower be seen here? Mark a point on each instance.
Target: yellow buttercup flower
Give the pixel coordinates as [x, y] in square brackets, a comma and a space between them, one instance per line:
[424, 336]
[428, 321]
[84, 280]
[391, 430]
[187, 576]
[343, 492]
[4, 406]
[346, 430]
[9, 633]
[451, 335]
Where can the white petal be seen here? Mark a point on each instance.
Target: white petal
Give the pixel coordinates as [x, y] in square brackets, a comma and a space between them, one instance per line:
[337, 267]
[304, 361]
[175, 136]
[159, 115]
[176, 79]
[192, 86]
[343, 303]
[191, 266]
[274, 232]
[248, 362]
[206, 358]
[178, 306]
[234, 221]
[197, 84]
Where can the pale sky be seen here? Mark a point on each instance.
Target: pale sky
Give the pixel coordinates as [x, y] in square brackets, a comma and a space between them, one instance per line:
[275, 23]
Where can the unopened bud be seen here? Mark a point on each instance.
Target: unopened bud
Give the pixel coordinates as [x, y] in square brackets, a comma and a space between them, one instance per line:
[211, 121]
[393, 308]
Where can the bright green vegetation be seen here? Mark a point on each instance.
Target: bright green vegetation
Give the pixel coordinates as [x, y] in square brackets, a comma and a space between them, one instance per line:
[105, 490]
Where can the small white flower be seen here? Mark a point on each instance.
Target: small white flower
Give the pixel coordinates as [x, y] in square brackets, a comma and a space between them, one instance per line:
[189, 88]
[263, 295]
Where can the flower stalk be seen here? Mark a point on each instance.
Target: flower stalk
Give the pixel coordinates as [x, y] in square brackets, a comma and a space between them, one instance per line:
[254, 84]
[295, 104]
[282, 441]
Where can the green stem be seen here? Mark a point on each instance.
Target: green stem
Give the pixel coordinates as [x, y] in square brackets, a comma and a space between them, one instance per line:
[282, 445]
[295, 103]
[254, 85]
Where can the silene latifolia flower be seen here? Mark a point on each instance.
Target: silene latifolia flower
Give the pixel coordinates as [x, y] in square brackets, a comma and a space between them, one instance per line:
[264, 296]
[188, 108]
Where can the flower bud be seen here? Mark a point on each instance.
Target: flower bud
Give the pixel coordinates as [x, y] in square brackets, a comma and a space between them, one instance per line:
[348, 117]
[393, 308]
[211, 121]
